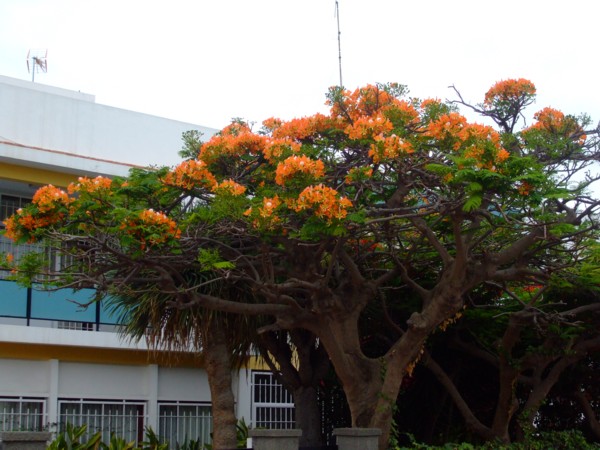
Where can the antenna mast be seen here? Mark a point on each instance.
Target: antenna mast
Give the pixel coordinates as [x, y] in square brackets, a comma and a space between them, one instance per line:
[337, 15]
[37, 60]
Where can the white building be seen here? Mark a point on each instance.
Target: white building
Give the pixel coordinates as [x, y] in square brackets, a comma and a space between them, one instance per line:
[61, 363]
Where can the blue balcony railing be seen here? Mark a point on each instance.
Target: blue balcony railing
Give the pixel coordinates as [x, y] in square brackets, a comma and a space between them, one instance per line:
[63, 305]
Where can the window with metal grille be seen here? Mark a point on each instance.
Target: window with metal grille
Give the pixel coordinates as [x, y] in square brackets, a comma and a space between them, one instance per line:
[22, 414]
[181, 422]
[124, 418]
[272, 404]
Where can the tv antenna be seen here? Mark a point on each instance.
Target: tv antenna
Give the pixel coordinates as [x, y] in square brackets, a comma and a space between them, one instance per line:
[337, 15]
[37, 60]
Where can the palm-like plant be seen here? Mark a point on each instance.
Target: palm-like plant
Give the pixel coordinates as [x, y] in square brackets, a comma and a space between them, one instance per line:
[222, 341]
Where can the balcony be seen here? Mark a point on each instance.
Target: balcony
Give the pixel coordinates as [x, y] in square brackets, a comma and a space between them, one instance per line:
[64, 308]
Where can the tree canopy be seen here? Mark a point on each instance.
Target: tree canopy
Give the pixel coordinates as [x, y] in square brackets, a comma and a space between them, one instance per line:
[388, 200]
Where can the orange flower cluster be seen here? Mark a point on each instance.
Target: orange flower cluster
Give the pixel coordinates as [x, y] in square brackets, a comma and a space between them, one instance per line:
[502, 155]
[151, 228]
[430, 102]
[266, 213]
[365, 101]
[269, 206]
[229, 187]
[234, 141]
[448, 126]
[277, 147]
[298, 164]
[300, 128]
[190, 174]
[554, 121]
[524, 188]
[22, 224]
[367, 127]
[49, 198]
[325, 202]
[509, 90]
[480, 142]
[90, 185]
[50, 208]
[388, 148]
[548, 119]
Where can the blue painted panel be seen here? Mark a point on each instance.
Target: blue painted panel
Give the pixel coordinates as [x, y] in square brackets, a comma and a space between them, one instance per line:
[13, 299]
[64, 304]
[108, 314]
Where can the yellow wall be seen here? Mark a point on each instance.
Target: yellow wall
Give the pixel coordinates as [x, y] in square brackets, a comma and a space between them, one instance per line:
[97, 355]
[35, 176]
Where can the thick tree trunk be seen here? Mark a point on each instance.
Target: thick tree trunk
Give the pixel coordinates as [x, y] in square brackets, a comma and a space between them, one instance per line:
[218, 367]
[588, 412]
[372, 385]
[300, 371]
[308, 415]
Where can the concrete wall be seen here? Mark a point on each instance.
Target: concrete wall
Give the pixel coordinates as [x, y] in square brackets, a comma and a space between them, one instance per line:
[55, 379]
[50, 118]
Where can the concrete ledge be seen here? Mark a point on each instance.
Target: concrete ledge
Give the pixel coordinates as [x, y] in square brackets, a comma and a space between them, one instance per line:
[24, 440]
[275, 439]
[357, 438]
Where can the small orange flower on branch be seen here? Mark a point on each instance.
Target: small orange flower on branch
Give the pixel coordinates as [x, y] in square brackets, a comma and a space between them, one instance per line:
[189, 175]
[234, 141]
[288, 168]
[151, 228]
[49, 198]
[388, 148]
[90, 185]
[229, 187]
[300, 128]
[365, 127]
[511, 90]
[325, 202]
[554, 121]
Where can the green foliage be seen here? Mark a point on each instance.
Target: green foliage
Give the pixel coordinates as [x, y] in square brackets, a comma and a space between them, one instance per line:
[556, 440]
[192, 143]
[152, 441]
[118, 443]
[71, 439]
[210, 260]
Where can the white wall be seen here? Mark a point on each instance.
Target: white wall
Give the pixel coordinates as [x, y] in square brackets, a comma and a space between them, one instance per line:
[56, 119]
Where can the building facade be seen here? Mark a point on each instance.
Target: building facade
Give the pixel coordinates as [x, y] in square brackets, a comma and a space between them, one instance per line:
[60, 361]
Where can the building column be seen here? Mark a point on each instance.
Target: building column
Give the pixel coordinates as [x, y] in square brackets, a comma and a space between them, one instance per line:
[53, 416]
[152, 413]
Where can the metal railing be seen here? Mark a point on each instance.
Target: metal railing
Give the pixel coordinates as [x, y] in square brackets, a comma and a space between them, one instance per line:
[123, 418]
[22, 414]
[183, 422]
[273, 405]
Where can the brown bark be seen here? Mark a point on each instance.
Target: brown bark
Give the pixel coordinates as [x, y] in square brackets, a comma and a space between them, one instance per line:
[218, 367]
[589, 413]
[472, 422]
[301, 379]
[308, 415]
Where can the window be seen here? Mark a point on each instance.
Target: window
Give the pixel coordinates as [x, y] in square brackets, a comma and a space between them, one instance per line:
[22, 414]
[180, 422]
[9, 205]
[80, 326]
[272, 404]
[125, 419]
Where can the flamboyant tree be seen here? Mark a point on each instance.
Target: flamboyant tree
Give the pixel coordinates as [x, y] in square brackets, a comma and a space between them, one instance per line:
[322, 216]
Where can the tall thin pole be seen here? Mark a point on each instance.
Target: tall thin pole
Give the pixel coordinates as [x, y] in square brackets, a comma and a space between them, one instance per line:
[337, 14]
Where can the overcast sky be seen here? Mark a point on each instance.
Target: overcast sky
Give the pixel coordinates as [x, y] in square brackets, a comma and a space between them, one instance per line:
[205, 62]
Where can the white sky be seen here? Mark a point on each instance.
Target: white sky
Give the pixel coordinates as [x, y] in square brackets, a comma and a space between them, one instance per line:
[205, 62]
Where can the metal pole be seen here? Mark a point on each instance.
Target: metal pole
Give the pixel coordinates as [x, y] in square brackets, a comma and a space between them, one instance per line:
[337, 14]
